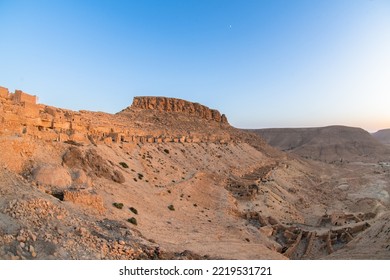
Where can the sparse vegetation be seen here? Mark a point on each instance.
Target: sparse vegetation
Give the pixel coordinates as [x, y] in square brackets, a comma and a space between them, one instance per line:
[124, 164]
[171, 207]
[135, 211]
[118, 205]
[166, 151]
[140, 176]
[133, 221]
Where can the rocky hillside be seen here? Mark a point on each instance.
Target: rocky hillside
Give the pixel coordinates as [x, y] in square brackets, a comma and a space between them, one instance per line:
[138, 184]
[170, 179]
[330, 144]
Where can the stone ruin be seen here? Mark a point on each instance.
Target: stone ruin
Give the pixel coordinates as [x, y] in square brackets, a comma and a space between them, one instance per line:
[298, 242]
[22, 97]
[18, 97]
[248, 186]
[4, 93]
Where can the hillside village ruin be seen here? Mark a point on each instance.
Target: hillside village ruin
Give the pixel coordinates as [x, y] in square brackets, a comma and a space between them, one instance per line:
[20, 113]
[190, 176]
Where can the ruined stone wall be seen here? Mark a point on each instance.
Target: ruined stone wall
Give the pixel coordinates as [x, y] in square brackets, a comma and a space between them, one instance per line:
[21, 96]
[31, 110]
[4, 93]
[178, 105]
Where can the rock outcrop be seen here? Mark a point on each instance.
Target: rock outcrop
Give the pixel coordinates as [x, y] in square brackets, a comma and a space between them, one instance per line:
[178, 105]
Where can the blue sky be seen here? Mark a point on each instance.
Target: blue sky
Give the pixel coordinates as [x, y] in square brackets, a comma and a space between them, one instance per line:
[264, 63]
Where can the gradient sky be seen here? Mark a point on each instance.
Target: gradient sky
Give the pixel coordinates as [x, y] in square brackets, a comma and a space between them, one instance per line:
[264, 63]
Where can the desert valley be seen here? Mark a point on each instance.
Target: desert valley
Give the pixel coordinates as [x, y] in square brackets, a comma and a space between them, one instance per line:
[166, 178]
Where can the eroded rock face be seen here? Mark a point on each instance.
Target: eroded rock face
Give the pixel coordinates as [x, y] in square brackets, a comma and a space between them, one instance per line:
[178, 105]
[92, 163]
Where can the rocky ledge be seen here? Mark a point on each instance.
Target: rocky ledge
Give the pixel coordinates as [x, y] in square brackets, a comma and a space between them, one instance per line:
[177, 105]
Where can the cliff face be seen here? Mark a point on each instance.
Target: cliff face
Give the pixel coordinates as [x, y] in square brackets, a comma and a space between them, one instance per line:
[178, 105]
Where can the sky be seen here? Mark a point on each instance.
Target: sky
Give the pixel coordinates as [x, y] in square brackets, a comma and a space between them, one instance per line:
[264, 63]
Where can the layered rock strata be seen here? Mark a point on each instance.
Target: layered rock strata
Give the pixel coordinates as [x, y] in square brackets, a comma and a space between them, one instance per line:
[178, 105]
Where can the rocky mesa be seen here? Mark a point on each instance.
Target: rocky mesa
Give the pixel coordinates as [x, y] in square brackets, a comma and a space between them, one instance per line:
[178, 105]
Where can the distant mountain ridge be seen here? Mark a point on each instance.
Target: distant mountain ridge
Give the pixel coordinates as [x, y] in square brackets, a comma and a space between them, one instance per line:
[331, 143]
[383, 136]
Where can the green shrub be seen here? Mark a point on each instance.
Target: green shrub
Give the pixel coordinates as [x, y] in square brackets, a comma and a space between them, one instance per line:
[118, 205]
[124, 164]
[171, 207]
[132, 209]
[132, 220]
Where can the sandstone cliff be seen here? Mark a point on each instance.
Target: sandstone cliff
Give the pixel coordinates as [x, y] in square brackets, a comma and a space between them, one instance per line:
[178, 105]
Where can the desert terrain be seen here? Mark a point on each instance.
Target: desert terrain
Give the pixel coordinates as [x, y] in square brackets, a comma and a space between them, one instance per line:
[166, 178]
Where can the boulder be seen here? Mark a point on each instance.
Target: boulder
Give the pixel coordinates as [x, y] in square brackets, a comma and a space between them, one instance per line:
[52, 175]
